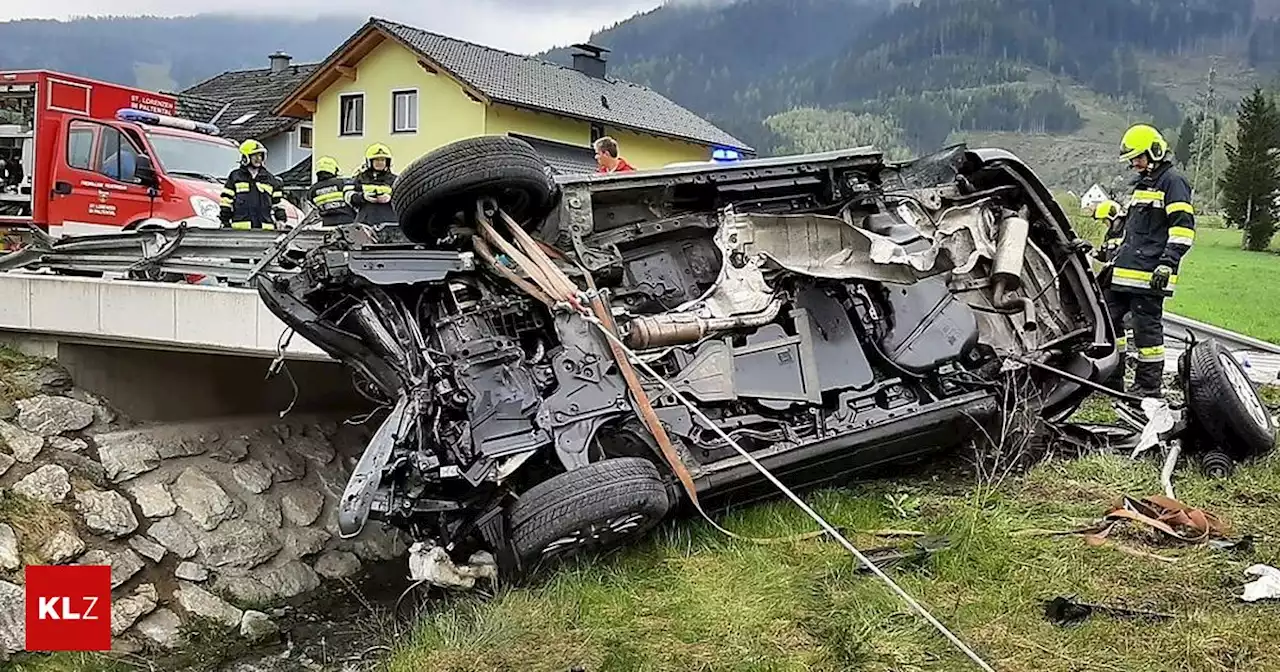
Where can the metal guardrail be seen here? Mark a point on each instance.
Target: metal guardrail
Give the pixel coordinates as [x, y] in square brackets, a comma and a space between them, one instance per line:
[1178, 326]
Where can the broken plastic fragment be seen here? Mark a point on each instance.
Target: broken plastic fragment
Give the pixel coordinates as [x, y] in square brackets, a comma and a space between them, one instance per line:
[1160, 420]
[434, 566]
[1266, 587]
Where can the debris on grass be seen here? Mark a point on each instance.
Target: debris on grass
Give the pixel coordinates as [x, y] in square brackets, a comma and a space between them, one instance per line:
[1266, 587]
[1067, 611]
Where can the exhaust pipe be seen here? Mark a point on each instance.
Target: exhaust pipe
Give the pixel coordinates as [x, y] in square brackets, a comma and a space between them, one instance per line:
[1006, 268]
[657, 331]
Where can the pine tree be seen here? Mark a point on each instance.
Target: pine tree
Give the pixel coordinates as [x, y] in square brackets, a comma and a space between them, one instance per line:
[1186, 142]
[1252, 178]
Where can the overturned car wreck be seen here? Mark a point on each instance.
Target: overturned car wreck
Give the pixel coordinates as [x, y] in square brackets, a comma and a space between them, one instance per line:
[829, 313]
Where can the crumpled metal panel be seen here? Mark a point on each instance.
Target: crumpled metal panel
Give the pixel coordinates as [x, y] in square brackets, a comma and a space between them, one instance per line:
[830, 247]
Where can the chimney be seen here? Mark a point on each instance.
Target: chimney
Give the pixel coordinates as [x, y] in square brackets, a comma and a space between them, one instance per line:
[279, 61]
[589, 60]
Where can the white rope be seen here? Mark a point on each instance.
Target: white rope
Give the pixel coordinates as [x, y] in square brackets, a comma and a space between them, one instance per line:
[827, 527]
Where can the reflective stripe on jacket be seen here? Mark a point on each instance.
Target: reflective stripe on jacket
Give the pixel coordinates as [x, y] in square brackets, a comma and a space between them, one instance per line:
[367, 185]
[330, 198]
[1159, 230]
[252, 202]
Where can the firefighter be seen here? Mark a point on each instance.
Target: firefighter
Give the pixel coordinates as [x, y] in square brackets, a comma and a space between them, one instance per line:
[371, 191]
[252, 197]
[1159, 229]
[330, 193]
[1109, 214]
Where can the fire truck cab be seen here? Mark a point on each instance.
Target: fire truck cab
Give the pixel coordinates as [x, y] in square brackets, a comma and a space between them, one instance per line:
[79, 156]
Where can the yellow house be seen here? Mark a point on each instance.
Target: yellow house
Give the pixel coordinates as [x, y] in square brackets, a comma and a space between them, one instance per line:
[416, 91]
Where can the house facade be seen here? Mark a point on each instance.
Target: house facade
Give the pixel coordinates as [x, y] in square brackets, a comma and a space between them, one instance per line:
[240, 104]
[416, 91]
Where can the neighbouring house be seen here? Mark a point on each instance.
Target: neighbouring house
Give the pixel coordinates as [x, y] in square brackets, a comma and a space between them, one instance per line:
[1095, 195]
[241, 103]
[416, 91]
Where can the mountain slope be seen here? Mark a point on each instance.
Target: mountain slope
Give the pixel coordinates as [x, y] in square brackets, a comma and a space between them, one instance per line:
[166, 53]
[788, 74]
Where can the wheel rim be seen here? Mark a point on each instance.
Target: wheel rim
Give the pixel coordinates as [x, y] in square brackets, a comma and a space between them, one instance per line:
[596, 536]
[1244, 390]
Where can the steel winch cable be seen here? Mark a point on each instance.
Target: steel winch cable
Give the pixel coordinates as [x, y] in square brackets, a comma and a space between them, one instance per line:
[532, 258]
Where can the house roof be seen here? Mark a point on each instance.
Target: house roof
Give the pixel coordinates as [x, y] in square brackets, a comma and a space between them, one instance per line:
[299, 176]
[527, 82]
[247, 97]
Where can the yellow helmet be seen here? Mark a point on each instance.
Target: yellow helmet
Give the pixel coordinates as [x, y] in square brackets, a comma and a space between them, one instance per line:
[250, 147]
[1107, 209]
[327, 164]
[377, 151]
[1143, 139]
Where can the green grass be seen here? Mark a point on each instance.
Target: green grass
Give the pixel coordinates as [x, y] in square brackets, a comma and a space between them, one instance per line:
[694, 600]
[1223, 285]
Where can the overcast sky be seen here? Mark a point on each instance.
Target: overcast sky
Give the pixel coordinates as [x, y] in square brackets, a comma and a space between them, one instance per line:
[523, 26]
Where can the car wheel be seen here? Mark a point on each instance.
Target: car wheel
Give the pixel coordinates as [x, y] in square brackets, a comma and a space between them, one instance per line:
[434, 189]
[1225, 402]
[594, 509]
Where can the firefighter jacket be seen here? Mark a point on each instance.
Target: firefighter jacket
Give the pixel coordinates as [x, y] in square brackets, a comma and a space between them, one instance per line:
[250, 202]
[1158, 231]
[329, 196]
[368, 184]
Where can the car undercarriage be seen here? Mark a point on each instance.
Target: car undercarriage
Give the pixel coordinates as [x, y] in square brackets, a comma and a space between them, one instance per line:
[829, 313]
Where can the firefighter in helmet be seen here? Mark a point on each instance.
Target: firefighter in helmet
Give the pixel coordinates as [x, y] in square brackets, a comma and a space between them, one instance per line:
[330, 193]
[370, 194]
[1109, 214]
[252, 198]
[1159, 229]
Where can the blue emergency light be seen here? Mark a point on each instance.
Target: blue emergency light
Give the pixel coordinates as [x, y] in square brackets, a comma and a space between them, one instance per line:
[153, 119]
[724, 155]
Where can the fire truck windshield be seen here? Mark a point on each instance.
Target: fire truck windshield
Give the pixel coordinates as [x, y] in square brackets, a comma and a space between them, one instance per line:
[193, 157]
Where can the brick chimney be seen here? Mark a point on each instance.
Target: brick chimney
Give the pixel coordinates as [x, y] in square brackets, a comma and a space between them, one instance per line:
[280, 61]
[589, 60]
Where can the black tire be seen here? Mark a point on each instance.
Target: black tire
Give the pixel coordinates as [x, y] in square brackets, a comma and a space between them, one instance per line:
[1232, 415]
[434, 189]
[1217, 464]
[588, 501]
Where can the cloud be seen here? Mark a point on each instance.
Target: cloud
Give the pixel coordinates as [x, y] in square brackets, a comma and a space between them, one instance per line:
[523, 26]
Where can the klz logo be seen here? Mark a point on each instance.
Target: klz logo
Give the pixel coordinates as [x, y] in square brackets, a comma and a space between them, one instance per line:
[68, 608]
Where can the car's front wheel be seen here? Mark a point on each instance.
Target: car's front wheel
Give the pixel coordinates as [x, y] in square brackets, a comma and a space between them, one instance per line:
[594, 509]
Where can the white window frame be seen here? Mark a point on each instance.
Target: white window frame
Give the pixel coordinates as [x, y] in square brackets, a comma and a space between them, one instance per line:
[395, 95]
[310, 129]
[342, 126]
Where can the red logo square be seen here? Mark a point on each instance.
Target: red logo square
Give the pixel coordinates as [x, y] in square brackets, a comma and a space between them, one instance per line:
[68, 608]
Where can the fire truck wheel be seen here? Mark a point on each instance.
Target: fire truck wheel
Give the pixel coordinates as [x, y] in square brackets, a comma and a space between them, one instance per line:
[443, 186]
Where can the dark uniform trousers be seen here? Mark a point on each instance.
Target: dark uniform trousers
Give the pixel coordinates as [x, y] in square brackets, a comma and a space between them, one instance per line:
[1159, 230]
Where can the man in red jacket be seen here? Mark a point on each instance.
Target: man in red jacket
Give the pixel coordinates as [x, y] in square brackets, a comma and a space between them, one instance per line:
[607, 158]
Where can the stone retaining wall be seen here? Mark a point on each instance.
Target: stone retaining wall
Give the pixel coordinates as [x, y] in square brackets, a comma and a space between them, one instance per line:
[215, 519]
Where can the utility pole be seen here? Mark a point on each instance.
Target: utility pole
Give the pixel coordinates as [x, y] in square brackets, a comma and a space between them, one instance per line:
[1206, 106]
[1213, 145]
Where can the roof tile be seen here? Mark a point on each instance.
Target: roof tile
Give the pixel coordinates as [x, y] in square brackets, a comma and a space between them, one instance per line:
[248, 91]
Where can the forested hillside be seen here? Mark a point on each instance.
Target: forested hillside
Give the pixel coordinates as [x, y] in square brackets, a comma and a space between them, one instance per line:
[910, 76]
[166, 53]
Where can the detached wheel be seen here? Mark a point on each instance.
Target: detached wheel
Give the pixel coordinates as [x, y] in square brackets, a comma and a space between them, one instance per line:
[597, 508]
[434, 189]
[1225, 402]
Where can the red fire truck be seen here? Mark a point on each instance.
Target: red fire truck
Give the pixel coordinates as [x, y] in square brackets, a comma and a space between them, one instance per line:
[79, 156]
